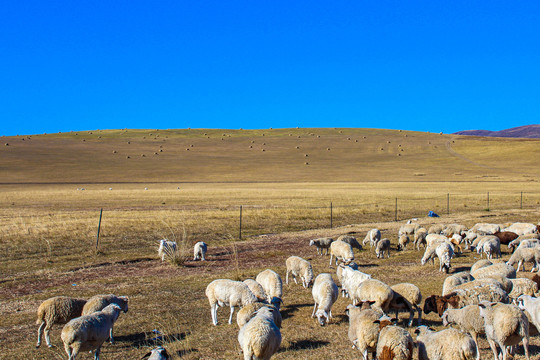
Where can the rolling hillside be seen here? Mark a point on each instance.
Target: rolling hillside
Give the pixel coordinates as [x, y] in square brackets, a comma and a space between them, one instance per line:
[279, 155]
[527, 131]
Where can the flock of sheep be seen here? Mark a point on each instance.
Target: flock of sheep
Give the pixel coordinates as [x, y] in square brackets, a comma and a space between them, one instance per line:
[488, 299]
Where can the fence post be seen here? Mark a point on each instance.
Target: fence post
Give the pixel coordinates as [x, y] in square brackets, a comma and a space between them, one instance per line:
[395, 212]
[448, 204]
[331, 216]
[521, 202]
[487, 201]
[98, 229]
[240, 227]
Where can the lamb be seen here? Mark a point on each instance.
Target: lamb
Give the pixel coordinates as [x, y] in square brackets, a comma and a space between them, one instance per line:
[436, 229]
[257, 290]
[499, 269]
[363, 331]
[381, 247]
[374, 290]
[530, 305]
[468, 319]
[480, 264]
[407, 296]
[89, 332]
[394, 343]
[166, 248]
[56, 310]
[99, 302]
[299, 267]
[272, 285]
[522, 286]
[342, 251]
[260, 338]
[448, 344]
[223, 292]
[522, 255]
[351, 280]
[248, 311]
[402, 242]
[420, 237]
[199, 251]
[321, 243]
[506, 325]
[454, 280]
[492, 247]
[351, 240]
[159, 353]
[372, 237]
[486, 229]
[522, 228]
[506, 237]
[325, 294]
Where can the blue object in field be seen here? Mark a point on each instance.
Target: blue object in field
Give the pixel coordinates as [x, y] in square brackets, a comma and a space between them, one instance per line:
[432, 214]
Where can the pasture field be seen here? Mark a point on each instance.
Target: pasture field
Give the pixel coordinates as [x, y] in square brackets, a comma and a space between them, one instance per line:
[48, 227]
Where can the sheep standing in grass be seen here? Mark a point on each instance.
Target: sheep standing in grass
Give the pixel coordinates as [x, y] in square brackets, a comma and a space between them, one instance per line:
[372, 237]
[522, 228]
[199, 251]
[89, 332]
[257, 290]
[531, 305]
[522, 255]
[272, 285]
[485, 229]
[248, 311]
[222, 292]
[402, 242]
[443, 251]
[325, 294]
[394, 343]
[407, 297]
[321, 243]
[436, 229]
[381, 247]
[498, 269]
[468, 319]
[56, 310]
[166, 248]
[374, 290]
[516, 242]
[299, 267]
[420, 237]
[492, 247]
[342, 251]
[351, 280]
[363, 331]
[260, 338]
[339, 273]
[408, 229]
[99, 302]
[505, 325]
[448, 344]
[351, 240]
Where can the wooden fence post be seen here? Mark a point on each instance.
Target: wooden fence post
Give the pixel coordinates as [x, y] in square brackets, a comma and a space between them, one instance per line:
[98, 229]
[240, 229]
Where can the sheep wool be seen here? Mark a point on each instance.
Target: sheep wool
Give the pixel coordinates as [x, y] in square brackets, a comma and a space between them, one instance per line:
[272, 285]
[260, 338]
[407, 297]
[468, 319]
[299, 267]
[321, 243]
[363, 331]
[257, 290]
[248, 311]
[223, 292]
[448, 344]
[341, 251]
[374, 290]
[394, 343]
[199, 251]
[325, 294]
[56, 310]
[372, 237]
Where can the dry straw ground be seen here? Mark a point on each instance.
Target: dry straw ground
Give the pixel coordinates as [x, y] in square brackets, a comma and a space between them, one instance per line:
[48, 227]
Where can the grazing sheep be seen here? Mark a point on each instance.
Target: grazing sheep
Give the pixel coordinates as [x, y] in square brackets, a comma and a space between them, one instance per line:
[505, 325]
[530, 305]
[506, 237]
[166, 248]
[402, 242]
[408, 229]
[468, 319]
[443, 251]
[339, 272]
[321, 243]
[374, 290]
[325, 294]
[480, 264]
[351, 240]
[351, 280]
[272, 285]
[222, 292]
[478, 244]
[433, 239]
[407, 297]
[522, 286]
[448, 344]
[522, 255]
[381, 247]
[199, 251]
[394, 343]
[372, 237]
[299, 267]
[515, 243]
[469, 238]
[342, 251]
[522, 228]
[159, 353]
[454, 280]
[257, 290]
[485, 229]
[420, 237]
[498, 269]
[56, 310]
[436, 229]
[260, 338]
[452, 229]
[89, 332]
[363, 331]
[492, 247]
[99, 302]
[248, 311]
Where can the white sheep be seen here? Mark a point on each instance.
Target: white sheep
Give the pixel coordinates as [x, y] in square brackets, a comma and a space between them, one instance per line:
[454, 280]
[485, 229]
[299, 267]
[260, 338]
[225, 292]
[468, 319]
[505, 325]
[436, 229]
[321, 243]
[408, 229]
[516, 242]
[342, 251]
[272, 285]
[478, 244]
[166, 248]
[420, 238]
[89, 332]
[325, 294]
[363, 331]
[339, 273]
[99, 302]
[444, 251]
[248, 311]
[522, 228]
[480, 264]
[372, 237]
[56, 310]
[199, 251]
[351, 280]
[402, 242]
[394, 343]
[498, 269]
[531, 305]
[382, 246]
[452, 229]
[351, 240]
[159, 353]
[522, 286]
[492, 247]
[522, 255]
[407, 296]
[374, 290]
[257, 290]
[448, 344]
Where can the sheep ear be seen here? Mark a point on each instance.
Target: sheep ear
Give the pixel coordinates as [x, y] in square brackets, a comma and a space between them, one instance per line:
[482, 306]
[377, 321]
[146, 355]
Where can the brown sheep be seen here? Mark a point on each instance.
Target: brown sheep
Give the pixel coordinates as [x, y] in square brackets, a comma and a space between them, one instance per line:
[506, 236]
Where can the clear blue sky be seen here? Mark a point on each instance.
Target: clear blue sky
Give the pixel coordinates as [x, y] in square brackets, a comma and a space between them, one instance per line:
[415, 65]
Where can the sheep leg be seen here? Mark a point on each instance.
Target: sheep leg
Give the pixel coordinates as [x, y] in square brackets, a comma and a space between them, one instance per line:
[111, 339]
[294, 278]
[474, 335]
[76, 348]
[47, 334]
[520, 262]
[526, 347]
[230, 316]
[287, 278]
[40, 330]
[213, 312]
[493, 347]
[331, 255]
[68, 351]
[96, 354]
[314, 309]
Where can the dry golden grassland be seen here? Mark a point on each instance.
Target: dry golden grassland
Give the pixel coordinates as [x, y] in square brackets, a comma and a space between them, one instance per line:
[48, 227]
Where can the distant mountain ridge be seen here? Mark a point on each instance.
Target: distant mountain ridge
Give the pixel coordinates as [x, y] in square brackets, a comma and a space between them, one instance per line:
[526, 131]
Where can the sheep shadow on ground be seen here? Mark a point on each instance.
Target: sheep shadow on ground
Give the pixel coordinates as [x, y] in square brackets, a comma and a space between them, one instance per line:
[338, 319]
[460, 269]
[306, 344]
[141, 339]
[289, 310]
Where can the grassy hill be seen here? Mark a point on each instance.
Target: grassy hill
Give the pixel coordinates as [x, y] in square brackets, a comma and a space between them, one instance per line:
[282, 155]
